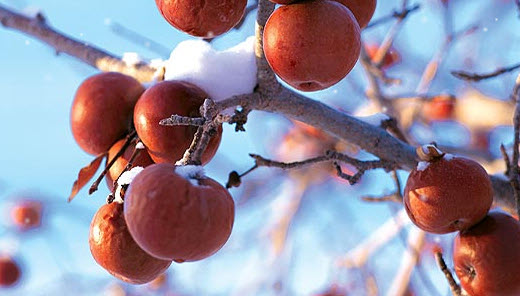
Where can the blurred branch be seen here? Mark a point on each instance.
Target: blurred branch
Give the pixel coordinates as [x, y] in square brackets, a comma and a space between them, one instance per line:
[410, 258]
[139, 39]
[395, 14]
[38, 27]
[513, 168]
[358, 255]
[475, 77]
[454, 287]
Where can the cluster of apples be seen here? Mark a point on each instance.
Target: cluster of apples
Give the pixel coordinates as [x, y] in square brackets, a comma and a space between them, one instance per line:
[167, 214]
[447, 193]
[313, 44]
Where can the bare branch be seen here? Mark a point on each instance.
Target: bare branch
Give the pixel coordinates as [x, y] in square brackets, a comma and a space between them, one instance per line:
[395, 14]
[89, 54]
[475, 77]
[454, 287]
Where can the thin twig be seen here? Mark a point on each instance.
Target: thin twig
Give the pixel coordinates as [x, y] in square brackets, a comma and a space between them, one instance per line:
[131, 137]
[514, 170]
[475, 77]
[454, 287]
[395, 14]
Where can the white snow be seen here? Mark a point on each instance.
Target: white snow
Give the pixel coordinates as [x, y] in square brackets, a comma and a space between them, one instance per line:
[191, 173]
[422, 165]
[374, 119]
[125, 179]
[128, 176]
[221, 74]
[139, 145]
[131, 58]
[448, 156]
[31, 11]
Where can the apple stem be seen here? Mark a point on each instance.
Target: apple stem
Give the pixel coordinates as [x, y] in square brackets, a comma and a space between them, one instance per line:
[429, 153]
[129, 164]
[127, 143]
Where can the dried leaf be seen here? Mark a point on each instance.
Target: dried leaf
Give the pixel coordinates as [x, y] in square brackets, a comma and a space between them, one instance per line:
[85, 174]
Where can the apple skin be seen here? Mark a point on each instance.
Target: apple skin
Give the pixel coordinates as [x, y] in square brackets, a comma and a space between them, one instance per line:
[207, 19]
[142, 160]
[173, 219]
[115, 250]
[486, 257]
[102, 110]
[168, 143]
[9, 272]
[27, 214]
[312, 45]
[448, 195]
[363, 10]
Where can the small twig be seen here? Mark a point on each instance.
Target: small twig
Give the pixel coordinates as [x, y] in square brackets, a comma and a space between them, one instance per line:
[395, 14]
[127, 143]
[128, 166]
[455, 288]
[506, 159]
[175, 120]
[514, 170]
[139, 39]
[475, 77]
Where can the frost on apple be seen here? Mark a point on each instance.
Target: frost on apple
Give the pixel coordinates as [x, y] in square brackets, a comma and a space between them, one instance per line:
[191, 173]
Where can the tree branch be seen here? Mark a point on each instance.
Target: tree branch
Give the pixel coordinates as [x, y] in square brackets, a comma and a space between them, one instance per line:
[269, 96]
[37, 27]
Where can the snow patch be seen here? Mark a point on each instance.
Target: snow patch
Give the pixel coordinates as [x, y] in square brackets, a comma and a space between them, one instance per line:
[191, 173]
[422, 165]
[128, 176]
[131, 59]
[125, 179]
[221, 74]
[31, 11]
[139, 145]
[374, 119]
[448, 156]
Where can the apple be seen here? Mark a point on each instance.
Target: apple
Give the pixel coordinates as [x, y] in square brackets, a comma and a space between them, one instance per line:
[176, 215]
[9, 272]
[363, 10]
[486, 257]
[168, 143]
[207, 19]
[440, 107]
[312, 45]
[143, 160]
[27, 214]
[447, 194]
[115, 250]
[102, 110]
[391, 58]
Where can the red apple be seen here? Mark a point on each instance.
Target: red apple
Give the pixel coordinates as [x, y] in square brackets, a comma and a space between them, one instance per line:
[312, 45]
[363, 10]
[9, 272]
[174, 217]
[440, 107]
[486, 257]
[391, 58]
[168, 143]
[142, 160]
[27, 214]
[102, 110]
[447, 194]
[208, 19]
[115, 250]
